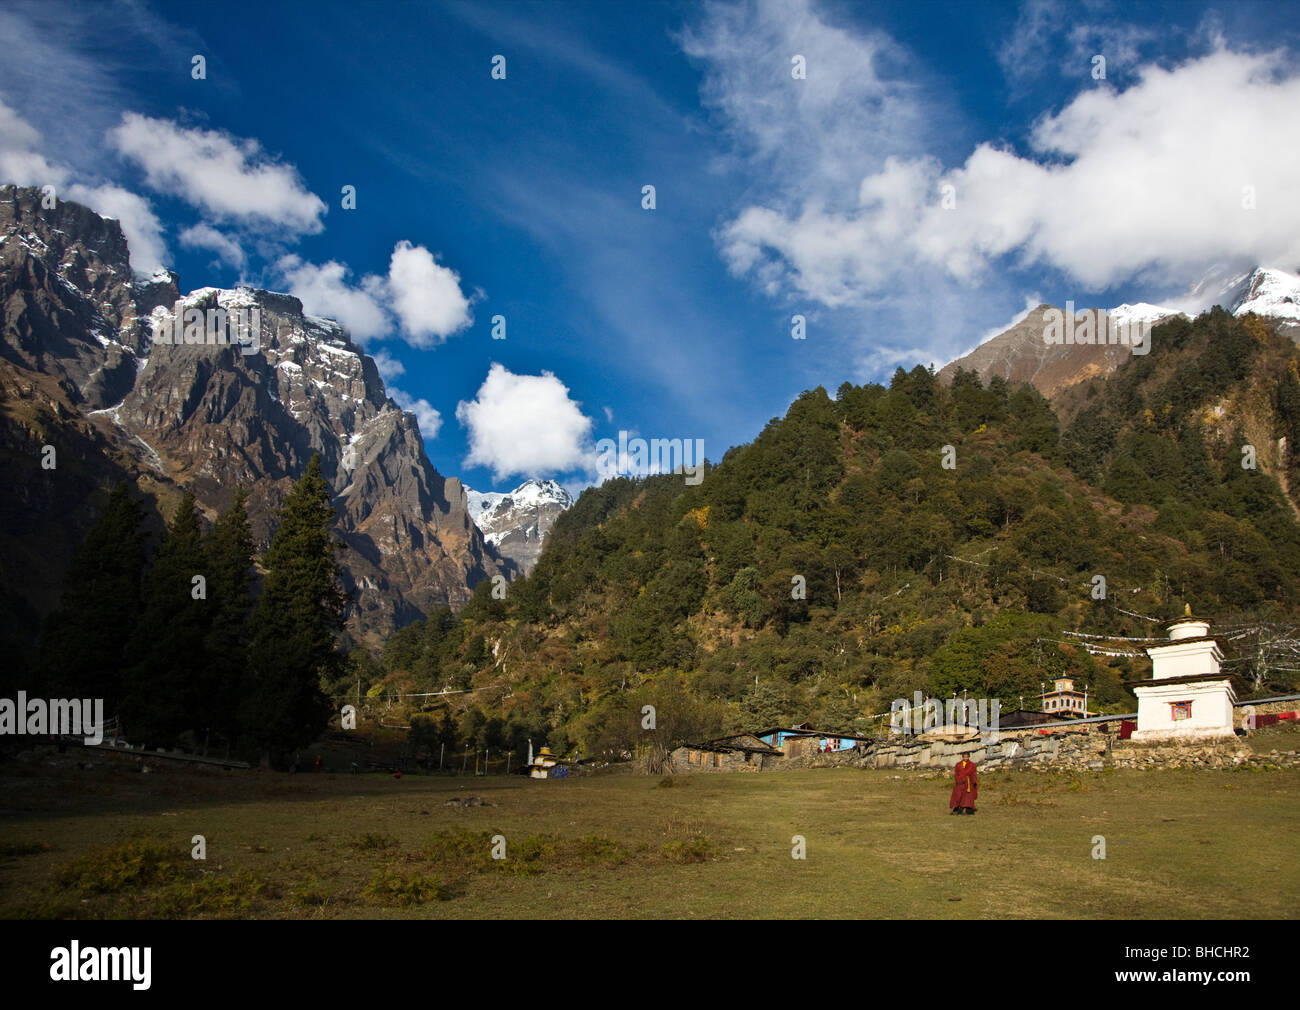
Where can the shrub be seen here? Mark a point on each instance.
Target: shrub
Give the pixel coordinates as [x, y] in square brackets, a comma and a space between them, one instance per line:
[139, 862]
[697, 850]
[392, 888]
[212, 894]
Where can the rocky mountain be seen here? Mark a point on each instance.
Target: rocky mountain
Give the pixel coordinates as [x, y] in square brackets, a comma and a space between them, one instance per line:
[80, 369]
[1020, 354]
[516, 523]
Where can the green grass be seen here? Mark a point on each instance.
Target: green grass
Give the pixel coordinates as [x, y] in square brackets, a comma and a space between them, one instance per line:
[1181, 844]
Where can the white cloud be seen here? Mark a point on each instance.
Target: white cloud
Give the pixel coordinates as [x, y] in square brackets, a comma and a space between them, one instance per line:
[525, 424]
[229, 178]
[1144, 183]
[422, 296]
[429, 419]
[389, 367]
[325, 291]
[204, 236]
[425, 296]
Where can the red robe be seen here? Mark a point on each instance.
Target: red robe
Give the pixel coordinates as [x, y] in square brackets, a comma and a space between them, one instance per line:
[967, 789]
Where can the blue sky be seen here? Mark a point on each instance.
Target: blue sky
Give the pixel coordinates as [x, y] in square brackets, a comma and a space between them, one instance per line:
[775, 196]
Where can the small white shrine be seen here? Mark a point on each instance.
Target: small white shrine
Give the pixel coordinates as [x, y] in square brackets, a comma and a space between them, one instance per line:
[1189, 697]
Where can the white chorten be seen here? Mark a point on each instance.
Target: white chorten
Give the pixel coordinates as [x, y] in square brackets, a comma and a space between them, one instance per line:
[1189, 698]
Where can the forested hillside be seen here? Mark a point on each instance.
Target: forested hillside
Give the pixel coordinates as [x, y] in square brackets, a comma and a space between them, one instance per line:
[889, 540]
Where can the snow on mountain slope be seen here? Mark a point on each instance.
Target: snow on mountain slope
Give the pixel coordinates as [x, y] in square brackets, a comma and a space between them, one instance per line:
[516, 523]
[1142, 312]
[1272, 293]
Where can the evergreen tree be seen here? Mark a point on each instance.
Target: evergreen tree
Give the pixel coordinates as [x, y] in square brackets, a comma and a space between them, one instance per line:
[294, 626]
[161, 700]
[84, 648]
[229, 551]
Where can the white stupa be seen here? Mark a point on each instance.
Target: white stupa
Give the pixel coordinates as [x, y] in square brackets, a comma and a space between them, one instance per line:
[1189, 698]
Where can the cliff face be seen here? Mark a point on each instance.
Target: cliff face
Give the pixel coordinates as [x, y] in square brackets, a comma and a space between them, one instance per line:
[79, 358]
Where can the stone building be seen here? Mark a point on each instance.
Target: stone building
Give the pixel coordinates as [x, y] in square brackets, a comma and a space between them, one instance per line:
[742, 752]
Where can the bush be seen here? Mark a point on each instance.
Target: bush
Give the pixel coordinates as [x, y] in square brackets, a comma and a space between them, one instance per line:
[697, 850]
[212, 894]
[392, 888]
[372, 840]
[308, 892]
[139, 862]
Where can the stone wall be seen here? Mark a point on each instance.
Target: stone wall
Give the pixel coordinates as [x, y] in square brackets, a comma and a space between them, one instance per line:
[1089, 747]
[818, 759]
[1061, 750]
[1084, 749]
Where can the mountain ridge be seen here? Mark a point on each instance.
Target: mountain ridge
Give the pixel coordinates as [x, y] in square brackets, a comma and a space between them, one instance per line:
[1019, 353]
[77, 352]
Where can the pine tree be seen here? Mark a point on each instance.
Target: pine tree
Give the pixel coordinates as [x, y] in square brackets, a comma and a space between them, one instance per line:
[229, 550]
[294, 626]
[163, 697]
[84, 648]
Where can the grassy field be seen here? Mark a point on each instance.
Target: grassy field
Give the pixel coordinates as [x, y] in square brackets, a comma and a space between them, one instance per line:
[109, 842]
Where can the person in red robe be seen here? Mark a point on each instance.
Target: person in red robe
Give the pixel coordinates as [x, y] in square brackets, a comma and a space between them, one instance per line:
[966, 790]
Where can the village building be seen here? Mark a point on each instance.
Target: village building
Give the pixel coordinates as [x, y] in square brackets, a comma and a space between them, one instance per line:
[741, 752]
[1063, 701]
[1188, 697]
[804, 739]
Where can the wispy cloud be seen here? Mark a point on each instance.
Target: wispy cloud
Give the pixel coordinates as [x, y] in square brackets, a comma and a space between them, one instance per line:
[204, 236]
[1053, 37]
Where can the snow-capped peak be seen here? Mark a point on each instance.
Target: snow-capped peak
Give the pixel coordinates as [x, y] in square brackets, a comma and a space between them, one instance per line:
[531, 492]
[1141, 312]
[517, 522]
[1266, 291]
[1271, 292]
[537, 492]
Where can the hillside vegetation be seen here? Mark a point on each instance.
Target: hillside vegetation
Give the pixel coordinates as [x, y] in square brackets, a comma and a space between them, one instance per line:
[836, 563]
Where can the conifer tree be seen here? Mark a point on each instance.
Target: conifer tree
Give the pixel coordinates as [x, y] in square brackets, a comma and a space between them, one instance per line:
[294, 625]
[163, 696]
[229, 550]
[84, 648]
